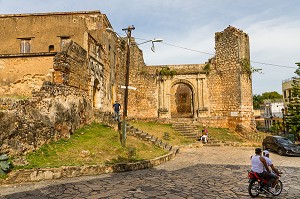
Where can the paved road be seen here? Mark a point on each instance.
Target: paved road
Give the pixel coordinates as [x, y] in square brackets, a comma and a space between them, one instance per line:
[207, 172]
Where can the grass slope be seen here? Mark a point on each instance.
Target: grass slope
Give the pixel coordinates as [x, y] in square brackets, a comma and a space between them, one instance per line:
[92, 145]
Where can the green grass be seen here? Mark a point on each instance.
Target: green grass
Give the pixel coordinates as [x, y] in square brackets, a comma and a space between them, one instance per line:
[94, 144]
[224, 135]
[159, 130]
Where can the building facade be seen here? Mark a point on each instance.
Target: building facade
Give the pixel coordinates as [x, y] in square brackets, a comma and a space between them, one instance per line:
[287, 91]
[67, 66]
[273, 113]
[35, 48]
[217, 93]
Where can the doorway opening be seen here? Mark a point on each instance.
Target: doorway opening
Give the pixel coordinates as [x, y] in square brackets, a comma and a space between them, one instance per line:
[181, 101]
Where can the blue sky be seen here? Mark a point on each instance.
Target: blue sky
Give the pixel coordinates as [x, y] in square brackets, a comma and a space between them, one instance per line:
[273, 27]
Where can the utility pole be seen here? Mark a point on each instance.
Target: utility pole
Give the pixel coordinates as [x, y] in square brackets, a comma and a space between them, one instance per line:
[128, 33]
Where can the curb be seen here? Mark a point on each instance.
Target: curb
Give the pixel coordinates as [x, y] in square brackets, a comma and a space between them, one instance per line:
[35, 175]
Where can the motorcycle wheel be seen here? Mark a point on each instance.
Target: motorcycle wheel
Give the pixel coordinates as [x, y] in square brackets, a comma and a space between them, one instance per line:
[277, 189]
[254, 188]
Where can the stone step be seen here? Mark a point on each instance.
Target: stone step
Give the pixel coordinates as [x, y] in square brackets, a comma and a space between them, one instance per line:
[208, 144]
[187, 132]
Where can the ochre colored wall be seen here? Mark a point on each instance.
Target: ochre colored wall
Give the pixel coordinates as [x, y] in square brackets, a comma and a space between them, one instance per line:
[45, 30]
[21, 75]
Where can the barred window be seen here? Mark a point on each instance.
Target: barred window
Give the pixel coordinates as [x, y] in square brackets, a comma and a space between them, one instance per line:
[25, 45]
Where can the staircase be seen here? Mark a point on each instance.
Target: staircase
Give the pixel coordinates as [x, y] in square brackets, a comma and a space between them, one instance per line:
[212, 142]
[186, 128]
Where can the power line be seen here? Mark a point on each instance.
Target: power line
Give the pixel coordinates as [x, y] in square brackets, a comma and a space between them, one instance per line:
[181, 47]
[269, 64]
[188, 49]
[273, 64]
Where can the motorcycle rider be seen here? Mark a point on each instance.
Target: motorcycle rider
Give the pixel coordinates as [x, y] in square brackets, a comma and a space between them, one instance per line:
[258, 163]
[269, 162]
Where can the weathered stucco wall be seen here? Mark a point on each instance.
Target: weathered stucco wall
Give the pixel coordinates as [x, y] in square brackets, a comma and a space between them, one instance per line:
[19, 75]
[54, 25]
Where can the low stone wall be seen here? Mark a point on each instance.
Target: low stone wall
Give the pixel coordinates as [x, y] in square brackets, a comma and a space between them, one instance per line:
[34, 175]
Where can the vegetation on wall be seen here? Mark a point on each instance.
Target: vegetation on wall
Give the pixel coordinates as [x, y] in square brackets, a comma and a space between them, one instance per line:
[166, 71]
[245, 66]
[207, 68]
[293, 112]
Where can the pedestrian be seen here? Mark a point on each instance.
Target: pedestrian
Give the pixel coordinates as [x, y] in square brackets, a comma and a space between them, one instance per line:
[116, 107]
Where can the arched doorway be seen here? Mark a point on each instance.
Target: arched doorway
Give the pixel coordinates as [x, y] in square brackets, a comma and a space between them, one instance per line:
[181, 101]
[96, 94]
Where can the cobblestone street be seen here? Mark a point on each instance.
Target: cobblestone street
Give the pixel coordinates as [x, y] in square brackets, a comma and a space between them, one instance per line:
[205, 172]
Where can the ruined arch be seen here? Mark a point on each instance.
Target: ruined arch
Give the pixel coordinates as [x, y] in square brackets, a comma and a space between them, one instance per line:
[182, 99]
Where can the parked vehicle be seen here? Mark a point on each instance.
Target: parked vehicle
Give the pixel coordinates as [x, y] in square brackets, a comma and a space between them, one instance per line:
[259, 185]
[281, 145]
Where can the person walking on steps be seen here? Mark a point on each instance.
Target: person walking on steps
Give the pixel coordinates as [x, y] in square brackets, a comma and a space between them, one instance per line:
[116, 107]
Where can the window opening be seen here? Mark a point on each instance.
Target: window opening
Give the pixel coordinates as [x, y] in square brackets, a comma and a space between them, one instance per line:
[25, 45]
[51, 48]
[63, 41]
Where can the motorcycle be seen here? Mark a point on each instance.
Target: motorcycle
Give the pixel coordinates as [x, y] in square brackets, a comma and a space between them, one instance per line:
[259, 185]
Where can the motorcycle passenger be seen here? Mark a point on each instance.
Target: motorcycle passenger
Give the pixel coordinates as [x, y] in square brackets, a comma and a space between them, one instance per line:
[258, 163]
[275, 178]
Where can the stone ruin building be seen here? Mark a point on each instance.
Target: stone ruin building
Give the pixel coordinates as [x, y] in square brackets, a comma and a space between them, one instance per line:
[59, 70]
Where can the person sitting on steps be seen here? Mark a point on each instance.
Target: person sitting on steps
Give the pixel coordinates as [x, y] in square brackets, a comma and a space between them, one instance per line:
[203, 137]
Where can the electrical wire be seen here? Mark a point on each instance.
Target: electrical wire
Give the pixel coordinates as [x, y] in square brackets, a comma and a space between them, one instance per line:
[188, 49]
[273, 65]
[269, 64]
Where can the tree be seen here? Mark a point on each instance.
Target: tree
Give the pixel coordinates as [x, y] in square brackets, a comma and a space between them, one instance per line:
[259, 99]
[271, 95]
[293, 112]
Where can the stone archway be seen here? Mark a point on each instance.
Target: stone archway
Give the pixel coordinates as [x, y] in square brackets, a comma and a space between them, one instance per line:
[96, 94]
[182, 101]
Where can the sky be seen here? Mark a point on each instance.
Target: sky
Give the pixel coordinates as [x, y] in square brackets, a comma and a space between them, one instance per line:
[187, 28]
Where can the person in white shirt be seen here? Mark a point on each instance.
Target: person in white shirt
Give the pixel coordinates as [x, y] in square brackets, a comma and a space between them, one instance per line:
[275, 178]
[259, 165]
[258, 162]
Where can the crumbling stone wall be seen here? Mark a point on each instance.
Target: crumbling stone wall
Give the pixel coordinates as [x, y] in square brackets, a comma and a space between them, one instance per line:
[54, 113]
[142, 102]
[71, 67]
[229, 81]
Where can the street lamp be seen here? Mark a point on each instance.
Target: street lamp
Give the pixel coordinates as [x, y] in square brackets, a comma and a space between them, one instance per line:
[152, 40]
[282, 110]
[128, 33]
